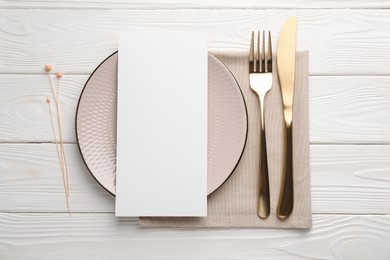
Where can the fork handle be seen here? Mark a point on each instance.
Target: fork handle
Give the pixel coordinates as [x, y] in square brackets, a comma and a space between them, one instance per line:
[264, 198]
[286, 199]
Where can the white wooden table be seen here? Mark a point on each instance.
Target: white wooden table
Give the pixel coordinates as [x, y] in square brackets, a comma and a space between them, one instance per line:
[349, 44]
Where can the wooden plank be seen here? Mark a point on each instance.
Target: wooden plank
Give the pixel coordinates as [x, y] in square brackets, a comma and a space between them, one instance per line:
[344, 179]
[350, 178]
[24, 110]
[102, 236]
[341, 42]
[172, 4]
[342, 109]
[349, 109]
[31, 181]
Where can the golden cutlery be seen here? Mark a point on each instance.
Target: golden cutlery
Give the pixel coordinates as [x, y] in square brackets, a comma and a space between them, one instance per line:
[286, 70]
[260, 78]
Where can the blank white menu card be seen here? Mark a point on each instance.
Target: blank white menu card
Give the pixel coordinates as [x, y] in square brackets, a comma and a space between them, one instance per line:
[162, 124]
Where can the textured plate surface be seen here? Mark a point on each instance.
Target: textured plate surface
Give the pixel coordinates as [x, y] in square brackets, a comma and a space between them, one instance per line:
[96, 123]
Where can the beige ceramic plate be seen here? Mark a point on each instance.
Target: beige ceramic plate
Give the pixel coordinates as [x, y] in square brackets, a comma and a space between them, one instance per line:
[96, 123]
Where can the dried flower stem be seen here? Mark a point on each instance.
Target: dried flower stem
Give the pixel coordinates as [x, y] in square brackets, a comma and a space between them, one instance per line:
[61, 135]
[60, 150]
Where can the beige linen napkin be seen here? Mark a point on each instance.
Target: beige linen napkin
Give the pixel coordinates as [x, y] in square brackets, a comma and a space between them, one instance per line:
[235, 203]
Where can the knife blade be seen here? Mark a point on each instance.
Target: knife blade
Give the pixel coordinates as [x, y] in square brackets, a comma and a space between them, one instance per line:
[285, 57]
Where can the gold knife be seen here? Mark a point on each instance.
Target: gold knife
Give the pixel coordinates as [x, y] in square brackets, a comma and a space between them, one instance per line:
[285, 58]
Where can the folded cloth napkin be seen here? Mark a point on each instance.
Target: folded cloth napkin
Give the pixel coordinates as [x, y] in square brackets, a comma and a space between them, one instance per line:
[235, 203]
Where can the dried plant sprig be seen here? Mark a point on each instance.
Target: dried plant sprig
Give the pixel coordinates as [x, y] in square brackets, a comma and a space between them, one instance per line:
[59, 76]
[48, 67]
[60, 150]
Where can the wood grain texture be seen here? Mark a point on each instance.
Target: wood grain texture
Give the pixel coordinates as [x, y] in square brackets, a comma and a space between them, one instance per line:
[344, 179]
[349, 109]
[352, 109]
[345, 176]
[31, 181]
[24, 111]
[341, 42]
[102, 236]
[170, 4]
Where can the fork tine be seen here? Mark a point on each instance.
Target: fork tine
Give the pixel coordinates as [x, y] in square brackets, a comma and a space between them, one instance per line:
[251, 55]
[258, 53]
[263, 54]
[269, 56]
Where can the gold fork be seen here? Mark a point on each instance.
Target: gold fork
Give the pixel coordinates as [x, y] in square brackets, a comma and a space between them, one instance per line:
[260, 80]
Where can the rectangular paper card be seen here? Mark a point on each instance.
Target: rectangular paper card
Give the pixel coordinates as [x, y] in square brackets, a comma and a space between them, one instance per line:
[162, 124]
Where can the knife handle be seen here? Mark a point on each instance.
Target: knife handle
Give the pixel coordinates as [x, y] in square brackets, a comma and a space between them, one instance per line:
[264, 198]
[286, 198]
